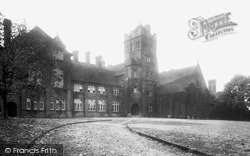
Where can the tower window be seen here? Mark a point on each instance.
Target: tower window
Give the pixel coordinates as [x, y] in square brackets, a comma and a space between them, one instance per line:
[135, 73]
[132, 47]
[148, 59]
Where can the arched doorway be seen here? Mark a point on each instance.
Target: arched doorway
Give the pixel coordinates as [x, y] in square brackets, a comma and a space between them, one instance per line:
[12, 109]
[135, 109]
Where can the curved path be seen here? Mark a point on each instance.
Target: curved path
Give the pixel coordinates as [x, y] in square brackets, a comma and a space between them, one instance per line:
[106, 138]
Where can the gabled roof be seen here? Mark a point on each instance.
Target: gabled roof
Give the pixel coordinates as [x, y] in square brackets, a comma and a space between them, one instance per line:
[39, 31]
[175, 74]
[59, 42]
[90, 73]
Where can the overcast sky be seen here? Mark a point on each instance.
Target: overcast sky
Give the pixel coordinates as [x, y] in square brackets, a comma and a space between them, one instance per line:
[99, 26]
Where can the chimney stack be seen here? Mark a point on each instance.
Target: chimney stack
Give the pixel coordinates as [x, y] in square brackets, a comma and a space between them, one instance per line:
[75, 56]
[98, 60]
[212, 86]
[87, 56]
[7, 31]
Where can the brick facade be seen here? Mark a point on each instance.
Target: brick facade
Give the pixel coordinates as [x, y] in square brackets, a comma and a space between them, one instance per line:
[134, 87]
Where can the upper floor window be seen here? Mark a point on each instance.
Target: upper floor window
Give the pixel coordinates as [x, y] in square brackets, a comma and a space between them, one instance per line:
[91, 88]
[77, 87]
[115, 106]
[149, 75]
[91, 105]
[149, 93]
[101, 89]
[28, 103]
[41, 103]
[58, 54]
[148, 59]
[135, 89]
[102, 105]
[150, 108]
[198, 83]
[78, 105]
[59, 78]
[116, 91]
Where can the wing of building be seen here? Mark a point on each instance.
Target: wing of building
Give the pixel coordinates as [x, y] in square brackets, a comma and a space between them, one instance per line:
[134, 87]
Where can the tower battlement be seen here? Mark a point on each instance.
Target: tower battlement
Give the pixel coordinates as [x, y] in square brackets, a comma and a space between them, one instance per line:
[140, 30]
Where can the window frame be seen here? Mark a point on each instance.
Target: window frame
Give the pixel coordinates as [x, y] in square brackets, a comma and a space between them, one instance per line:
[41, 103]
[60, 74]
[63, 103]
[150, 108]
[115, 106]
[101, 89]
[52, 103]
[101, 106]
[116, 91]
[78, 87]
[78, 105]
[91, 105]
[91, 88]
[28, 103]
[35, 104]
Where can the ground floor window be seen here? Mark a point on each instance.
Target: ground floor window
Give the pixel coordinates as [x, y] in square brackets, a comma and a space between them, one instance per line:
[78, 106]
[91, 105]
[52, 103]
[102, 105]
[63, 104]
[41, 103]
[57, 104]
[150, 108]
[115, 106]
[28, 103]
[35, 105]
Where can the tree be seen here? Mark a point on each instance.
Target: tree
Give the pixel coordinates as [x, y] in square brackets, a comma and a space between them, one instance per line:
[235, 100]
[26, 61]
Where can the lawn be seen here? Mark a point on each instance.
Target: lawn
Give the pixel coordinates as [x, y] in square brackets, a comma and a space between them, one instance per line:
[215, 137]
